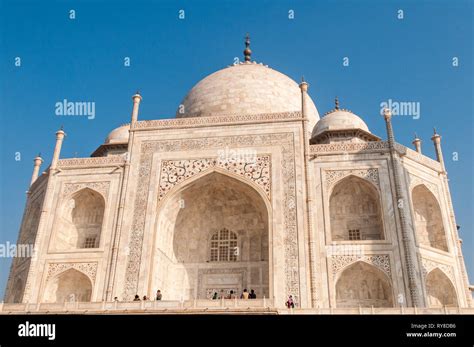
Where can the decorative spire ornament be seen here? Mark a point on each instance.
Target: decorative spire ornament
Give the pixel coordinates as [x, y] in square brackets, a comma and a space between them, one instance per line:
[247, 50]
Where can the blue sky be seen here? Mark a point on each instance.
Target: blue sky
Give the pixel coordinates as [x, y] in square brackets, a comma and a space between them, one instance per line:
[407, 59]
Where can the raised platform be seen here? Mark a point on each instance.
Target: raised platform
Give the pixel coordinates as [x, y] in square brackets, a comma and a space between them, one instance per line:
[193, 307]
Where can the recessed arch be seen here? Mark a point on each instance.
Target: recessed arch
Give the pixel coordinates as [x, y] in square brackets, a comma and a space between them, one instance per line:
[428, 218]
[189, 216]
[69, 285]
[439, 289]
[80, 221]
[355, 211]
[362, 284]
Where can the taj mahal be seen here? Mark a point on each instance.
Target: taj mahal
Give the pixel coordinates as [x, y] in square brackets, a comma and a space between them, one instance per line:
[247, 187]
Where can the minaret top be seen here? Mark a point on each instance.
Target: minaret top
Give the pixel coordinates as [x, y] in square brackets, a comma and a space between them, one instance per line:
[336, 103]
[247, 51]
[435, 136]
[61, 132]
[137, 97]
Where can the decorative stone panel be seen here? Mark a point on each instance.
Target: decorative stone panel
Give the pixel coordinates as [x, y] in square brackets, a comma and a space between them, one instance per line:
[333, 176]
[174, 172]
[416, 181]
[90, 269]
[428, 265]
[71, 188]
[381, 261]
[285, 141]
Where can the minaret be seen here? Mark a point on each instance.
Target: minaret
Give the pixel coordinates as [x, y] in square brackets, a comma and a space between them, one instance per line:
[37, 163]
[136, 104]
[417, 143]
[137, 98]
[304, 95]
[309, 196]
[409, 252]
[57, 148]
[247, 50]
[436, 138]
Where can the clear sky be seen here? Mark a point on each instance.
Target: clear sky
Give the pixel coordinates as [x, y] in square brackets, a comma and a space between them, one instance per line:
[82, 59]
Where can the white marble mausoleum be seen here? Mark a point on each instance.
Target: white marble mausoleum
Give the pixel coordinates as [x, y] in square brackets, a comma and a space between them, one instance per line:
[246, 188]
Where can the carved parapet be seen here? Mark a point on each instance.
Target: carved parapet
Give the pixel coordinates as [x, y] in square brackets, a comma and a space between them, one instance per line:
[348, 147]
[418, 157]
[112, 160]
[216, 120]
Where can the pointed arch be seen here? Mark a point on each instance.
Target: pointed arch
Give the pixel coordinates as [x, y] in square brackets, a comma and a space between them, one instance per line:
[189, 216]
[428, 218]
[362, 284]
[68, 285]
[355, 210]
[80, 221]
[185, 183]
[439, 289]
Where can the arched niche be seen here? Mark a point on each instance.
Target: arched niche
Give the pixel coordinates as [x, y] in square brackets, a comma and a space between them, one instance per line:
[428, 219]
[439, 289]
[70, 285]
[362, 284]
[184, 262]
[80, 221]
[355, 211]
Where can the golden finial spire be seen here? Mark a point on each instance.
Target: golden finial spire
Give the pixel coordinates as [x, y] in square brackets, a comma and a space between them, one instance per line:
[247, 51]
[336, 102]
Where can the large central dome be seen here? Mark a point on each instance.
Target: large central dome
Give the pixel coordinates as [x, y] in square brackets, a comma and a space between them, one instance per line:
[242, 89]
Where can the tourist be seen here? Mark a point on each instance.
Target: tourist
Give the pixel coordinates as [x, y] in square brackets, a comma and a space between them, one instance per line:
[290, 303]
[214, 297]
[158, 295]
[137, 298]
[116, 299]
[145, 298]
[252, 294]
[245, 294]
[222, 294]
[231, 295]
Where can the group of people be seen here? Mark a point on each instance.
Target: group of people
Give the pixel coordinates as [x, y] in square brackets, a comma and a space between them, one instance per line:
[290, 303]
[146, 298]
[245, 295]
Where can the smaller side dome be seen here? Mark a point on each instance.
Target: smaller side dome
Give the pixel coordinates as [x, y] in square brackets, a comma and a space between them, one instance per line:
[118, 135]
[339, 120]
